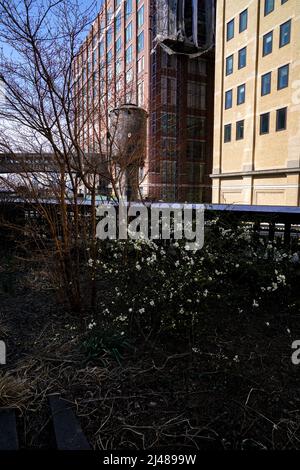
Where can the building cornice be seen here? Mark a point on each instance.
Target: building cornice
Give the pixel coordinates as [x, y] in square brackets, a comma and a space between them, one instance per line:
[277, 171]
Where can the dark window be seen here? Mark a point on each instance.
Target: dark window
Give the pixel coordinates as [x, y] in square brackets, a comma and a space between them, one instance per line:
[264, 123]
[230, 30]
[283, 1]
[227, 133]
[283, 77]
[229, 65]
[239, 130]
[285, 34]
[268, 43]
[241, 94]
[243, 21]
[242, 57]
[281, 118]
[266, 84]
[228, 99]
[269, 6]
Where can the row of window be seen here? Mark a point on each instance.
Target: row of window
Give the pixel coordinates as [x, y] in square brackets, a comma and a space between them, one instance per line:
[284, 38]
[282, 80]
[241, 96]
[243, 19]
[281, 125]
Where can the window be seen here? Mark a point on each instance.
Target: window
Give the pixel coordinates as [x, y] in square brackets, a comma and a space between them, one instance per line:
[264, 123]
[196, 127]
[140, 65]
[196, 95]
[229, 65]
[101, 49]
[128, 55]
[140, 42]
[283, 1]
[140, 94]
[241, 94]
[266, 84]
[242, 58]
[228, 99]
[267, 43]
[128, 33]
[283, 77]
[168, 90]
[109, 36]
[239, 130]
[243, 21]
[227, 133]
[129, 76]
[109, 56]
[128, 8]
[269, 6]
[230, 30]
[118, 46]
[140, 17]
[118, 23]
[281, 118]
[285, 34]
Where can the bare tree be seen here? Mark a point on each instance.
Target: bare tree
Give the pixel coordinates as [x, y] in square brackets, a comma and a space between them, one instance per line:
[45, 139]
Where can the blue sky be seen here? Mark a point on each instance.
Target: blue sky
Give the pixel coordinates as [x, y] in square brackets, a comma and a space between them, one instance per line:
[83, 3]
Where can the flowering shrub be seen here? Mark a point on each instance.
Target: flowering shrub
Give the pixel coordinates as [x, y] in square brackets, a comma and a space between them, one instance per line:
[160, 286]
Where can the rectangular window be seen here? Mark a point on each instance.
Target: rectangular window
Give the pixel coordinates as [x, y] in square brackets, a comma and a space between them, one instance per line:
[140, 65]
[264, 123]
[140, 42]
[228, 99]
[128, 9]
[140, 94]
[239, 130]
[266, 84]
[269, 6]
[230, 30]
[118, 22]
[268, 43]
[241, 94]
[242, 57]
[281, 118]
[243, 21]
[227, 133]
[283, 1]
[128, 33]
[283, 77]
[140, 17]
[118, 46]
[229, 65]
[128, 55]
[109, 36]
[285, 34]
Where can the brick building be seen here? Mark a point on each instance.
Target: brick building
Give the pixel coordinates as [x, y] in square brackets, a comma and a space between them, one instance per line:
[124, 59]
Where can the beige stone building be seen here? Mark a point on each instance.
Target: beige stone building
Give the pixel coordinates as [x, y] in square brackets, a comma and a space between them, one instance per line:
[257, 103]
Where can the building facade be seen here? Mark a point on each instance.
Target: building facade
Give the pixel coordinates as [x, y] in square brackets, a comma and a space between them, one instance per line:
[257, 103]
[120, 62]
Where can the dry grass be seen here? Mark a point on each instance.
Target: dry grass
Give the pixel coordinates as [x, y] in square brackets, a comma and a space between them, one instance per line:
[14, 391]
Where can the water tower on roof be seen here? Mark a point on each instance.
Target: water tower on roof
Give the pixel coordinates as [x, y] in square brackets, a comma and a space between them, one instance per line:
[128, 133]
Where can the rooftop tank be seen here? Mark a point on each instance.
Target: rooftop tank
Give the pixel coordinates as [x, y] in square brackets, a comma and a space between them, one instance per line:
[128, 130]
[128, 133]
